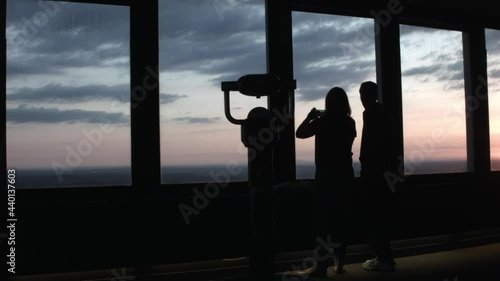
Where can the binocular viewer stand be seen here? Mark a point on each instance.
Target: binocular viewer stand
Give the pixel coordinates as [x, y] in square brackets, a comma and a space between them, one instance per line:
[258, 136]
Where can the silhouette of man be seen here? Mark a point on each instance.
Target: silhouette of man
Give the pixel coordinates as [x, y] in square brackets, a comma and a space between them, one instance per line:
[376, 158]
[334, 132]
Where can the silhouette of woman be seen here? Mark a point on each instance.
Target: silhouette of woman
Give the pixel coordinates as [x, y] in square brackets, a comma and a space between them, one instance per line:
[334, 132]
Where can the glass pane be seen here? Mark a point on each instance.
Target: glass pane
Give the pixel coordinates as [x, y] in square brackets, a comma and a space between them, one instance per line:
[330, 51]
[201, 44]
[492, 45]
[433, 101]
[68, 85]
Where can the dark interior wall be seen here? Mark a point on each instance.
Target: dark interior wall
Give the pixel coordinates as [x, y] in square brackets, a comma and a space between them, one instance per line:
[58, 236]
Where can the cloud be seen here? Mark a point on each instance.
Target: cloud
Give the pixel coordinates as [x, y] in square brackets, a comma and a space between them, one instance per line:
[31, 62]
[451, 71]
[224, 48]
[495, 73]
[317, 37]
[32, 21]
[170, 98]
[56, 93]
[328, 50]
[42, 115]
[422, 70]
[455, 64]
[452, 76]
[87, 35]
[493, 41]
[203, 21]
[72, 35]
[331, 51]
[417, 30]
[194, 37]
[455, 85]
[24, 68]
[197, 120]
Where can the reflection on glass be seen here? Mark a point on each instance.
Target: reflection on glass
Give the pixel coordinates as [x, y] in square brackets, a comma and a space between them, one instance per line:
[493, 47]
[330, 51]
[68, 86]
[433, 101]
[203, 43]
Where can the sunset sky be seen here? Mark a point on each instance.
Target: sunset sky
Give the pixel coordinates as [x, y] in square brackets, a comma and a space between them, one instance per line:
[68, 72]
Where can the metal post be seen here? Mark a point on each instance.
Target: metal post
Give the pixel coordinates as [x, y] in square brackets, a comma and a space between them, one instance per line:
[260, 183]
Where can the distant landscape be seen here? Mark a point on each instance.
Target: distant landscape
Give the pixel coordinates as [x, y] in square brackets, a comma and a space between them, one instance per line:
[121, 176]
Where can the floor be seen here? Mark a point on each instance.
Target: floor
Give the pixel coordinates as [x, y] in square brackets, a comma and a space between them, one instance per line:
[480, 263]
[474, 264]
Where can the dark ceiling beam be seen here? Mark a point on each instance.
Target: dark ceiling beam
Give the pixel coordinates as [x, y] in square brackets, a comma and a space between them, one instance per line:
[444, 15]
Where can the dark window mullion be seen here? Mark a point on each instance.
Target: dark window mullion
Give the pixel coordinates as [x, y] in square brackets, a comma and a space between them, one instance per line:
[145, 103]
[476, 98]
[280, 63]
[388, 60]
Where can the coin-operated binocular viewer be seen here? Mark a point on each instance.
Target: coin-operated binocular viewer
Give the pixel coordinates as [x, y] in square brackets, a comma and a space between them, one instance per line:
[259, 134]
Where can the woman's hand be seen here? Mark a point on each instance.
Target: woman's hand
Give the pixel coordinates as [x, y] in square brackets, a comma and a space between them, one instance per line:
[304, 130]
[312, 114]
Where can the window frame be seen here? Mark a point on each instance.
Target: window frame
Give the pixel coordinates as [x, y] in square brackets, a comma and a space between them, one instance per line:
[146, 164]
[478, 148]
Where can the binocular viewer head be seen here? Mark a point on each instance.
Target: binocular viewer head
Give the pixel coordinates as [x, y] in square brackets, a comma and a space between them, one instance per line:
[257, 85]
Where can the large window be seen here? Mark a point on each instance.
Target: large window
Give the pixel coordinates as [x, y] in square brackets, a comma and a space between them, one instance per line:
[493, 47]
[433, 101]
[68, 88]
[201, 44]
[330, 51]
[68, 92]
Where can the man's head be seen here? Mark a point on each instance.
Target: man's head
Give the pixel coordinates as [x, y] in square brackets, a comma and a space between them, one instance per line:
[369, 93]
